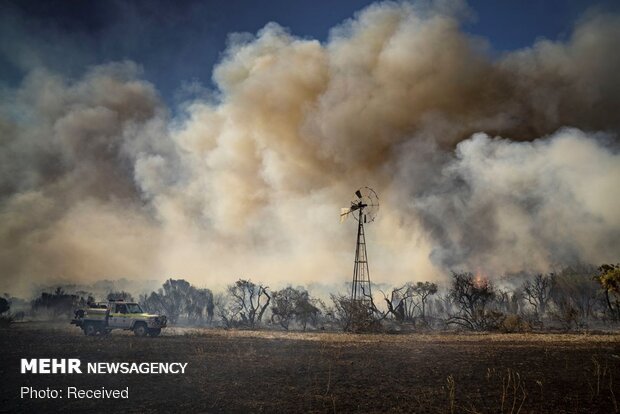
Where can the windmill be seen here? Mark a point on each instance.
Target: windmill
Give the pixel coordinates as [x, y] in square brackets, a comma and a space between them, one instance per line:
[364, 208]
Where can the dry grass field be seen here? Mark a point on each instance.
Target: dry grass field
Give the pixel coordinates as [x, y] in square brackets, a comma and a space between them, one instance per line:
[267, 371]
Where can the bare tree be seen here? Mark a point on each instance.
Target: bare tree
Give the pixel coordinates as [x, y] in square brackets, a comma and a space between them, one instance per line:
[473, 296]
[224, 310]
[442, 305]
[538, 292]
[397, 302]
[249, 301]
[576, 297]
[423, 290]
[509, 301]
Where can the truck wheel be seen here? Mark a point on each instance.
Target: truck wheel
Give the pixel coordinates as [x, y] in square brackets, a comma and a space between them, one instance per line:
[154, 332]
[140, 329]
[90, 329]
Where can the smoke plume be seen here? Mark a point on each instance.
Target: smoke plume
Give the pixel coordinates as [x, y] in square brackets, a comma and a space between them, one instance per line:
[497, 163]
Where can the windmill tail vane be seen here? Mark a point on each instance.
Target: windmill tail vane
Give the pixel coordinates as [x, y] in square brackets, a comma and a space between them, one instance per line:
[344, 213]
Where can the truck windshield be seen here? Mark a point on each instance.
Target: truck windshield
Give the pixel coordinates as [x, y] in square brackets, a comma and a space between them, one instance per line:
[134, 308]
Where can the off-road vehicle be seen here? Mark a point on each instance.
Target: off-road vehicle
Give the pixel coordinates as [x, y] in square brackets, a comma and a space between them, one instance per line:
[103, 317]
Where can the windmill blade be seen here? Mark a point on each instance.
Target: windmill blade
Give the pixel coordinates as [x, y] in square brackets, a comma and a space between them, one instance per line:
[358, 194]
[344, 213]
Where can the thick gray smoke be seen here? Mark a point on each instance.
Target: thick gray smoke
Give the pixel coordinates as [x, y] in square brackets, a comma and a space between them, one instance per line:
[499, 164]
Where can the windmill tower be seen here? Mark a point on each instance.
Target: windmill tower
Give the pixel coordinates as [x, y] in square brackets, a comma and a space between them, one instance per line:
[364, 208]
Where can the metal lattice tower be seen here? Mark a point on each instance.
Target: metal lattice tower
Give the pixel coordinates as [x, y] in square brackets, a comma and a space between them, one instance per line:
[360, 288]
[364, 209]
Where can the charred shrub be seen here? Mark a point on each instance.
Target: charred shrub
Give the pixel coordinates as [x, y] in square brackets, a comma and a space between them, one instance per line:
[58, 304]
[514, 323]
[355, 315]
[473, 298]
[294, 305]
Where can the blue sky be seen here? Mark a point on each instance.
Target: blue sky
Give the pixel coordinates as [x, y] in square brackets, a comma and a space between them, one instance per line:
[179, 42]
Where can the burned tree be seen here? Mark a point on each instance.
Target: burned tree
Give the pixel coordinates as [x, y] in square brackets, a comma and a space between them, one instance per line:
[397, 302]
[472, 297]
[609, 279]
[284, 307]
[5, 306]
[422, 290]
[179, 299]
[576, 297]
[6, 319]
[355, 315]
[169, 300]
[199, 304]
[538, 292]
[509, 301]
[224, 310]
[248, 302]
[59, 302]
[291, 304]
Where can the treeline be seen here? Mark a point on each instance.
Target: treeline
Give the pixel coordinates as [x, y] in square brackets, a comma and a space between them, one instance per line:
[6, 318]
[179, 300]
[580, 297]
[575, 298]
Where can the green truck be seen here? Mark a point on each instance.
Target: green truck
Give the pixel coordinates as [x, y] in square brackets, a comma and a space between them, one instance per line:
[102, 317]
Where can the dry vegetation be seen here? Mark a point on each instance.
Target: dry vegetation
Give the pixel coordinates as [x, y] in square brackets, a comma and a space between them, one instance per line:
[268, 371]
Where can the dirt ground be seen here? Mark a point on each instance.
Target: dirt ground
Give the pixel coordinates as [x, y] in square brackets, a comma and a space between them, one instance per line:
[243, 371]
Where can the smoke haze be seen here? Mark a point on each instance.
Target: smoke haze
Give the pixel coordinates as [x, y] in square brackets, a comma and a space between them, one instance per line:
[496, 163]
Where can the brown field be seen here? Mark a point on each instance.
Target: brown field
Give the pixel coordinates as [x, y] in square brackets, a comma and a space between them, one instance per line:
[265, 371]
